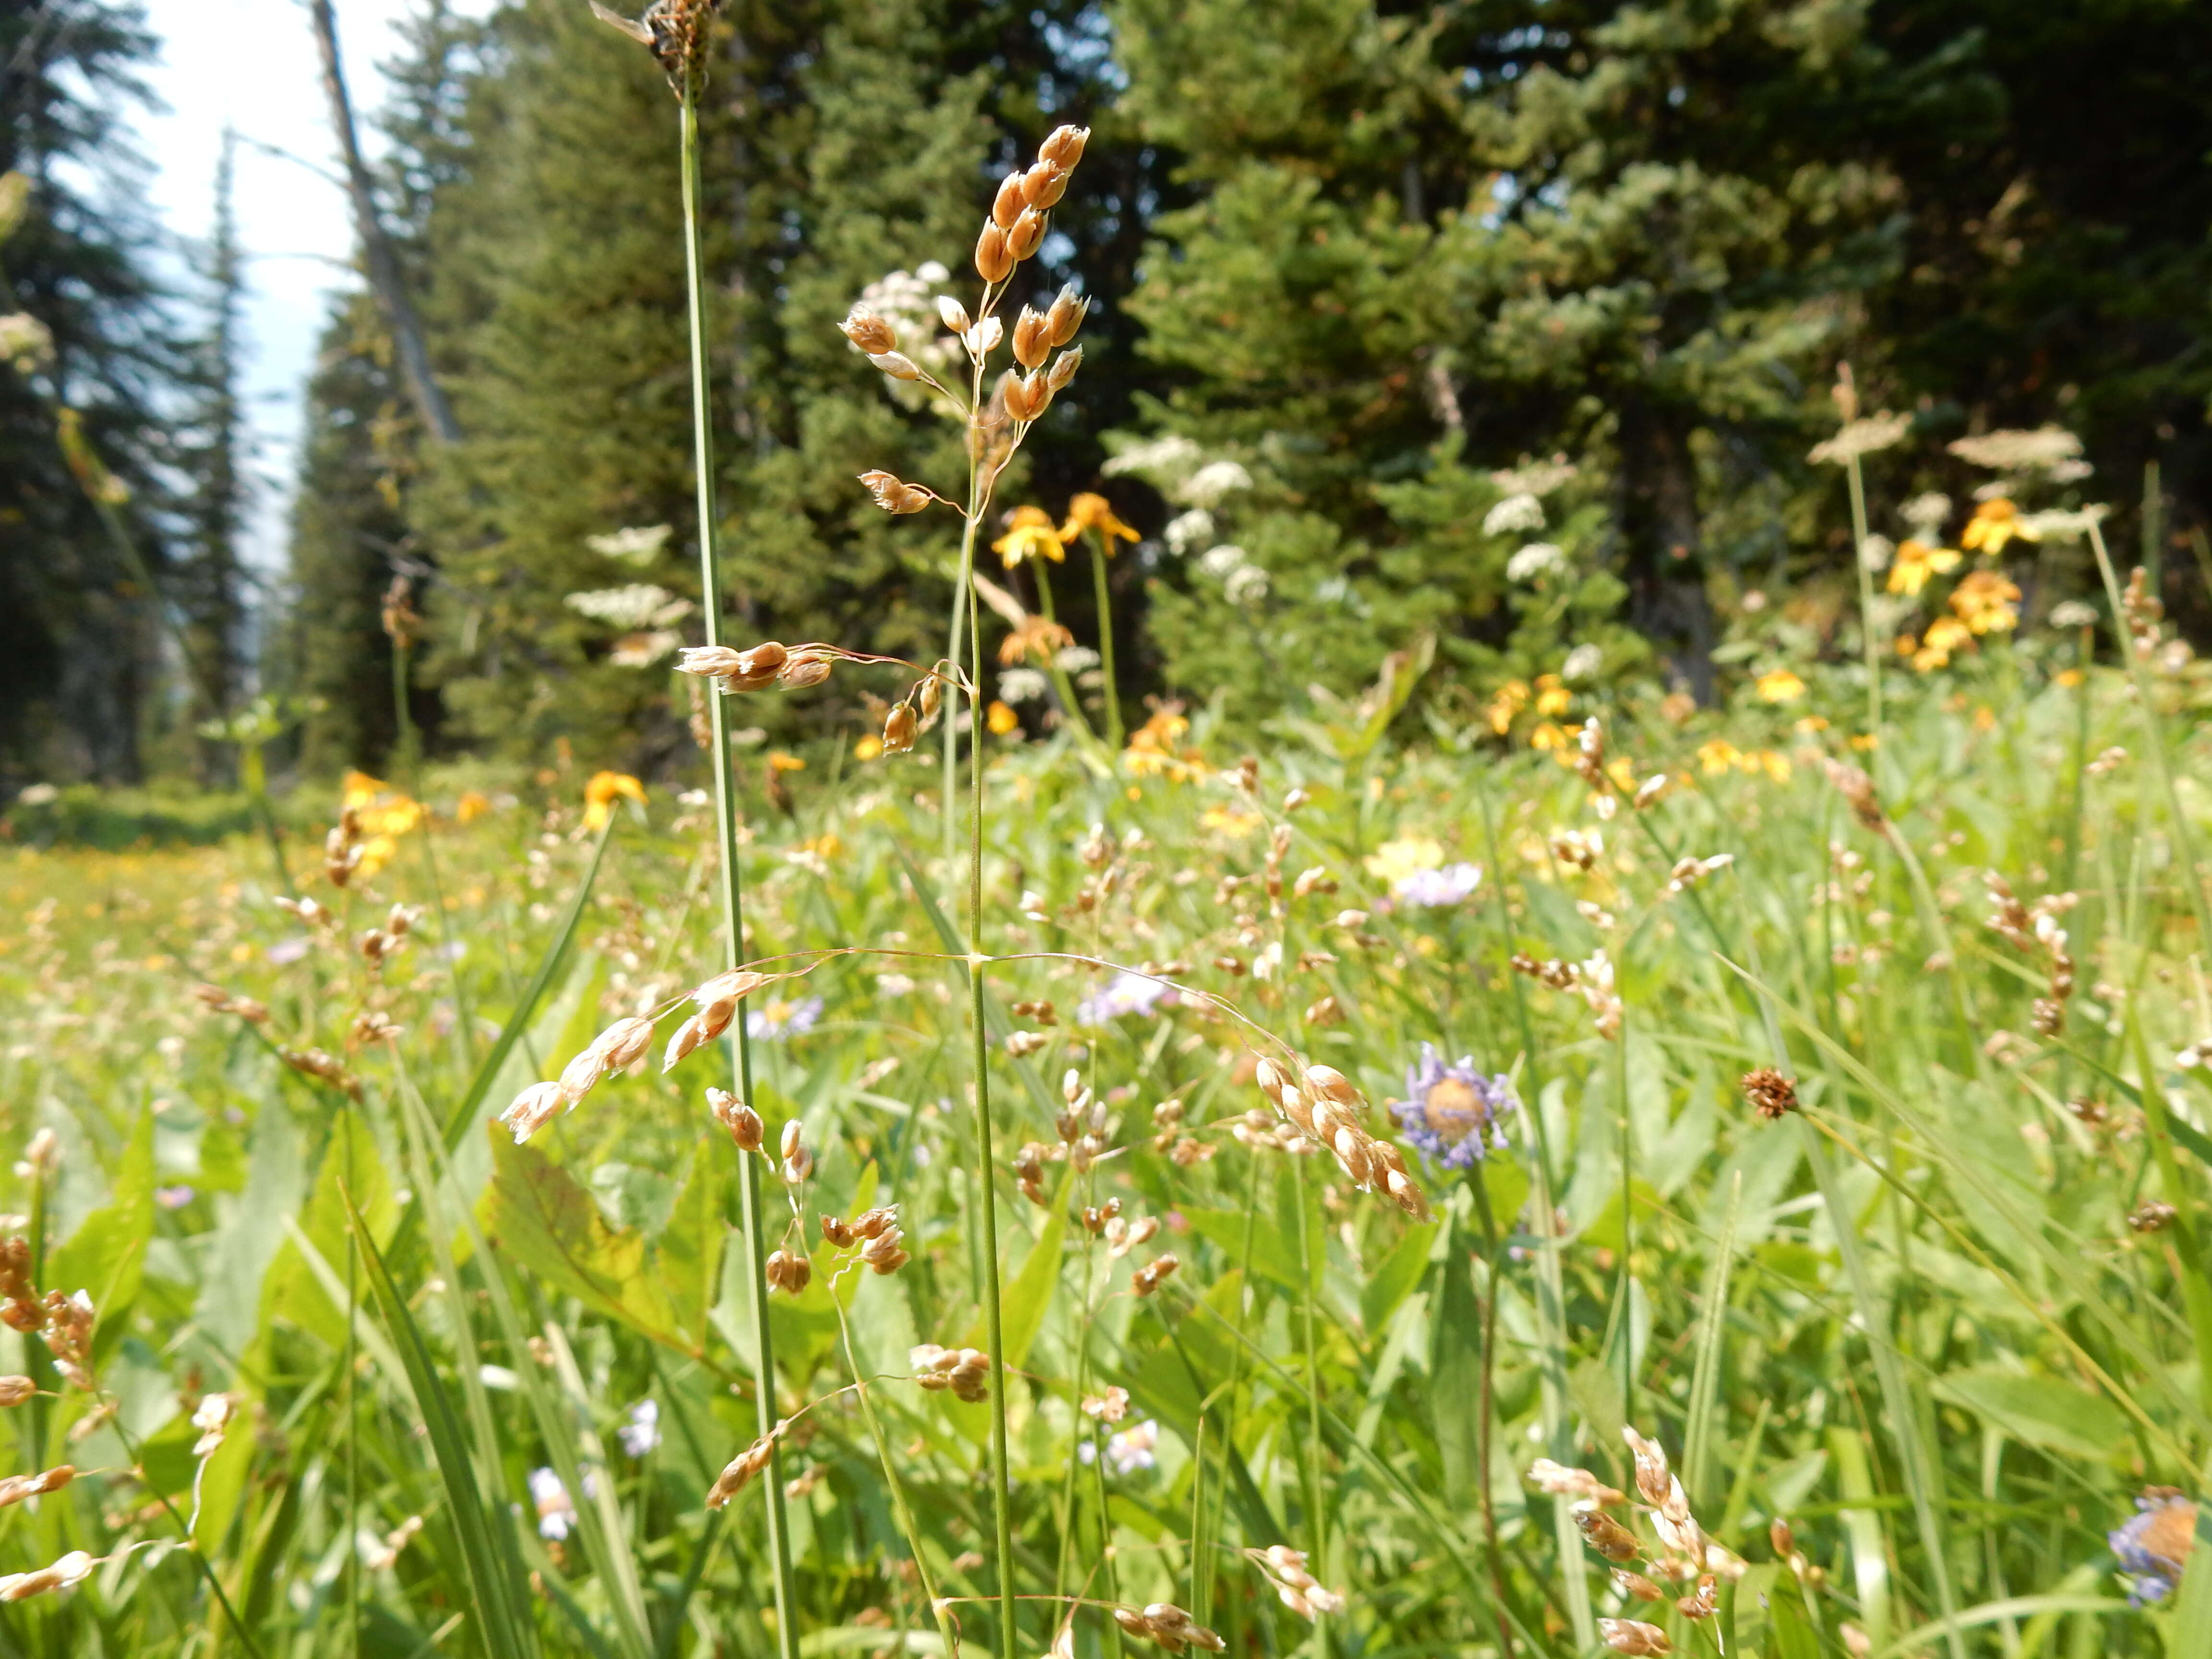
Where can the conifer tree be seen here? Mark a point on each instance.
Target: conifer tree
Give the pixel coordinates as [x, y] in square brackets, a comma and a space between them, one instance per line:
[80, 640]
[208, 583]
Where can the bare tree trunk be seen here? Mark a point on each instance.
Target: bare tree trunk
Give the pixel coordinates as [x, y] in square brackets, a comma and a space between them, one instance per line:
[1665, 574]
[383, 260]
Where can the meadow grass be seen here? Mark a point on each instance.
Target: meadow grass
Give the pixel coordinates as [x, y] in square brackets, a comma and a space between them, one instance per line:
[1943, 1317]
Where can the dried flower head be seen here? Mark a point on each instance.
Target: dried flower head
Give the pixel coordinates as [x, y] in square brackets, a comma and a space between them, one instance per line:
[1771, 1095]
[675, 31]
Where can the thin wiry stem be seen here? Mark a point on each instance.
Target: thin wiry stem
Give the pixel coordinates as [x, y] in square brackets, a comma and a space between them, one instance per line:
[1099, 546]
[726, 823]
[1871, 643]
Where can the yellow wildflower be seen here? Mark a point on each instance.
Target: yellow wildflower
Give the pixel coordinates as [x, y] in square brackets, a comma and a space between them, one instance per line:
[1152, 751]
[1985, 601]
[1780, 685]
[2070, 677]
[472, 805]
[1996, 522]
[1717, 755]
[1916, 562]
[601, 794]
[867, 747]
[1944, 635]
[1509, 700]
[1394, 860]
[1812, 723]
[1046, 639]
[1229, 820]
[1000, 718]
[1093, 511]
[1548, 736]
[1552, 696]
[381, 815]
[780, 762]
[1776, 766]
[1030, 535]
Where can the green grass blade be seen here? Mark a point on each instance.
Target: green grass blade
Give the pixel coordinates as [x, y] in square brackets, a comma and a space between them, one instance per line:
[511, 1028]
[500, 1598]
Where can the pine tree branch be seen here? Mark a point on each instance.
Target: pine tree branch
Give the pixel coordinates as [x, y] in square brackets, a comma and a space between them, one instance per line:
[382, 258]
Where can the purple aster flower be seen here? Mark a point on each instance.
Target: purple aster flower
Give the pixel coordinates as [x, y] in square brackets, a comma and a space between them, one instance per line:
[1450, 1113]
[2153, 1546]
[1438, 889]
[1128, 994]
[173, 1198]
[783, 1019]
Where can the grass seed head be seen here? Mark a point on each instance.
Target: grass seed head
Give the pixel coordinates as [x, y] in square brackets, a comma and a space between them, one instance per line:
[744, 1123]
[788, 1272]
[1154, 1274]
[1633, 1636]
[743, 1468]
[72, 1569]
[14, 1390]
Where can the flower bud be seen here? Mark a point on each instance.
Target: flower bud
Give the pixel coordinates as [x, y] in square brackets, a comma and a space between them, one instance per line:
[953, 313]
[1006, 206]
[1032, 339]
[872, 333]
[1063, 146]
[1063, 368]
[993, 263]
[897, 364]
[1027, 232]
[1068, 309]
[1043, 185]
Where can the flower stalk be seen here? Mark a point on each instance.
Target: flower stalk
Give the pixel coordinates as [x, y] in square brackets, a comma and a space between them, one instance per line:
[726, 825]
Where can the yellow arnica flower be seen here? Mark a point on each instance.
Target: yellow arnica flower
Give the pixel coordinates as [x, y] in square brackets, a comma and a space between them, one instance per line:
[1944, 635]
[1780, 685]
[1717, 755]
[1030, 535]
[780, 762]
[1916, 562]
[1996, 522]
[1045, 640]
[381, 814]
[867, 747]
[1511, 699]
[1986, 602]
[1000, 718]
[1552, 696]
[1093, 511]
[601, 794]
[472, 806]
[1409, 854]
[1548, 736]
[1152, 751]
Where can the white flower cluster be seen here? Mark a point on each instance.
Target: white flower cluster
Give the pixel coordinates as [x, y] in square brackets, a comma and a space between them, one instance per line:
[637, 544]
[639, 604]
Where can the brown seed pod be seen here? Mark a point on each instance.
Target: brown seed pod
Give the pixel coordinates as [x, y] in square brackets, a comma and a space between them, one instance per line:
[744, 1123]
[1063, 146]
[994, 263]
[1026, 234]
[1771, 1095]
[894, 495]
[1043, 185]
[1032, 338]
[870, 332]
[1066, 315]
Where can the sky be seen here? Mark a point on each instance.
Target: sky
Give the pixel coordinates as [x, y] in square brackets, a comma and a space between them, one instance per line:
[251, 64]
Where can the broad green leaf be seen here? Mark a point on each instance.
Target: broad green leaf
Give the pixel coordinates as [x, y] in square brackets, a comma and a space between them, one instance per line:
[690, 1251]
[1394, 1277]
[2043, 1411]
[105, 1257]
[1021, 1310]
[291, 1290]
[535, 1214]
